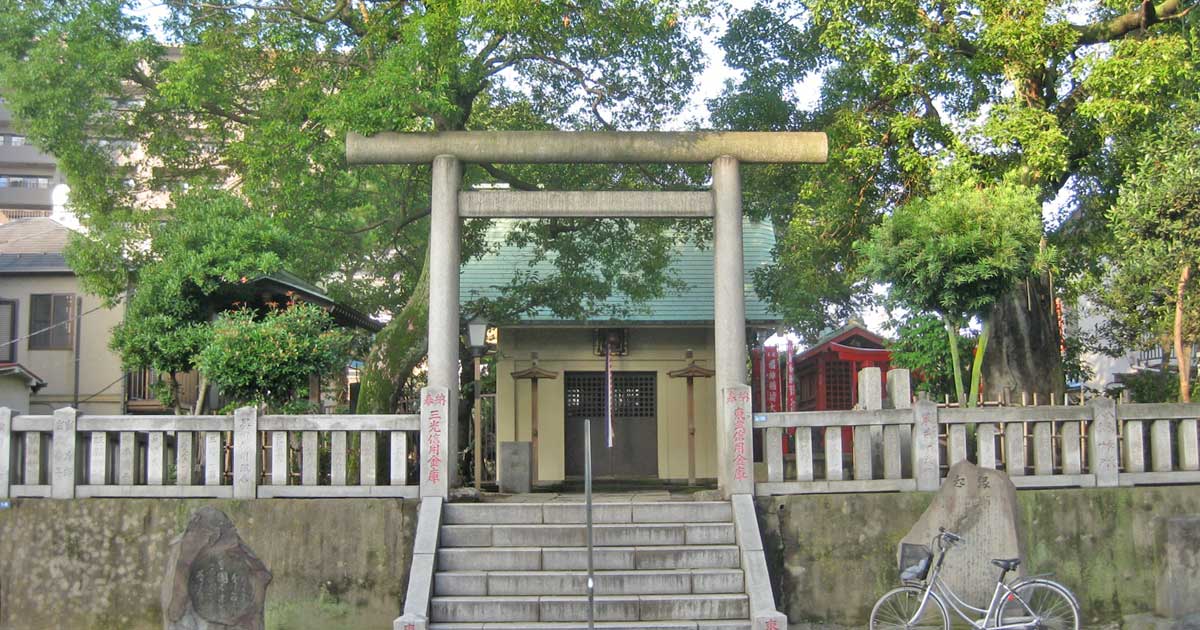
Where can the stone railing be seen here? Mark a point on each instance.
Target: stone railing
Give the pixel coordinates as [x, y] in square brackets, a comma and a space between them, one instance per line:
[243, 456]
[904, 445]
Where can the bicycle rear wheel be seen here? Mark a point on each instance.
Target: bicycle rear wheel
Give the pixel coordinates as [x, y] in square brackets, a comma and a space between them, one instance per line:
[897, 610]
[1047, 606]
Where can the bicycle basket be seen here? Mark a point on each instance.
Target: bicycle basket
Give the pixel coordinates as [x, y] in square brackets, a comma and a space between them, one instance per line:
[914, 561]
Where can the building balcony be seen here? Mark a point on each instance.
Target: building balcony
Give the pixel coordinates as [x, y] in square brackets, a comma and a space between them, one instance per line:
[25, 198]
[25, 155]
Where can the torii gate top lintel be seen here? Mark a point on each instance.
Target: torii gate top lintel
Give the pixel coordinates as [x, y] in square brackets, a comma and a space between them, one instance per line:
[560, 147]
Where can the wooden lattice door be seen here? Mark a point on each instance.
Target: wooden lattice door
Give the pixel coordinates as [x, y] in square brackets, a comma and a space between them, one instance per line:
[635, 424]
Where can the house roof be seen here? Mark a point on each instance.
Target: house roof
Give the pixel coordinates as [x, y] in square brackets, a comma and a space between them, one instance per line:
[16, 369]
[33, 245]
[285, 282]
[486, 277]
[854, 336]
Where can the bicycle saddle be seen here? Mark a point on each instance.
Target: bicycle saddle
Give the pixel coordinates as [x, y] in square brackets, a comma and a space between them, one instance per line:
[1007, 564]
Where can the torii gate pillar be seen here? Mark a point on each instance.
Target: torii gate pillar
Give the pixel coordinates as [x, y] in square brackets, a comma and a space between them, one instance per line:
[445, 245]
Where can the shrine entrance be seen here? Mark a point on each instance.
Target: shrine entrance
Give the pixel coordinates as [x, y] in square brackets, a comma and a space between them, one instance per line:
[634, 452]
[722, 204]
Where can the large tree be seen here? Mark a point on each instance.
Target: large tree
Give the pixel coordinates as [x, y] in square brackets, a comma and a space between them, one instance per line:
[257, 97]
[1047, 92]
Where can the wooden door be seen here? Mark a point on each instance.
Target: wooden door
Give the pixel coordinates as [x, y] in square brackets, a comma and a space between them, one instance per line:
[635, 424]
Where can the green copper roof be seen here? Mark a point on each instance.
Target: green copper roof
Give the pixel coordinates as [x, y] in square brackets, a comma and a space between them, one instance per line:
[483, 278]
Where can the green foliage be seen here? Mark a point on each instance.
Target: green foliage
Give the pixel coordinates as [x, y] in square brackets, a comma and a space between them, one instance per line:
[258, 98]
[1150, 386]
[211, 240]
[957, 250]
[1054, 94]
[922, 346]
[269, 359]
[1156, 224]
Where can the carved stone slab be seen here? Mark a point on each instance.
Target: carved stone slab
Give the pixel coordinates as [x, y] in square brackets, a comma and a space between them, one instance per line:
[980, 505]
[213, 580]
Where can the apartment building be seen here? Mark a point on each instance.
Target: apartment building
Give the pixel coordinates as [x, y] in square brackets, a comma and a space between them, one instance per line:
[27, 176]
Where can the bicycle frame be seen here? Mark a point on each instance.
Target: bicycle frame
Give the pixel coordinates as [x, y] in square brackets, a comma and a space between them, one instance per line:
[1002, 593]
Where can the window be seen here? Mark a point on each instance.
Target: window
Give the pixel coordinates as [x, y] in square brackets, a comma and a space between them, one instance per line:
[24, 181]
[8, 331]
[50, 325]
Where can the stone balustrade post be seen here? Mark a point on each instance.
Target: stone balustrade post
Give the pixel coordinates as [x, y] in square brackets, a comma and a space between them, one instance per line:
[245, 453]
[62, 454]
[925, 446]
[1102, 442]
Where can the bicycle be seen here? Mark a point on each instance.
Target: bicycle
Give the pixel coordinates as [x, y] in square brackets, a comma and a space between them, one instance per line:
[1030, 603]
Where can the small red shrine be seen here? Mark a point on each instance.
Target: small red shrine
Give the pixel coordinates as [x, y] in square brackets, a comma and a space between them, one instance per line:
[827, 373]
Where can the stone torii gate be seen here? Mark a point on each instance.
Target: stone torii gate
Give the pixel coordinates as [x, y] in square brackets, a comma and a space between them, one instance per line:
[723, 203]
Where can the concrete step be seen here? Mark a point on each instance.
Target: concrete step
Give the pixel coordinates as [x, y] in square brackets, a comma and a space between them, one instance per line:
[608, 535]
[574, 513]
[575, 558]
[575, 608]
[600, 625]
[654, 582]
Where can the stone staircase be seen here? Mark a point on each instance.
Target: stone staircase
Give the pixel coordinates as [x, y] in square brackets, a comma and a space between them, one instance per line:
[670, 565]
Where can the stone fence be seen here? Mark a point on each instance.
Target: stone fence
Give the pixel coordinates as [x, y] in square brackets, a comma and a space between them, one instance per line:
[243, 456]
[905, 446]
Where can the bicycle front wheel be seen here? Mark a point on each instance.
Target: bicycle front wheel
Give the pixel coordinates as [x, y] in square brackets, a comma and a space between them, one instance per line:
[1043, 605]
[898, 608]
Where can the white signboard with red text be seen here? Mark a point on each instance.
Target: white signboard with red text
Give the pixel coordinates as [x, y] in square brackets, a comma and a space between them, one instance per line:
[740, 453]
[436, 458]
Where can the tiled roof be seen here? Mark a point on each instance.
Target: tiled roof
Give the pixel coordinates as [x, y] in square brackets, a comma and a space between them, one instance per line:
[484, 278]
[33, 246]
[38, 235]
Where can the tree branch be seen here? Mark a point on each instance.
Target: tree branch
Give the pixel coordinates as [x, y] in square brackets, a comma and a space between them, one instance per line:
[405, 221]
[508, 177]
[1145, 16]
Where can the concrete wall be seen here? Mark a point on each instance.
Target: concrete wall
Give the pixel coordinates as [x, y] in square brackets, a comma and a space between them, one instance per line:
[570, 349]
[14, 393]
[832, 556]
[97, 564]
[101, 388]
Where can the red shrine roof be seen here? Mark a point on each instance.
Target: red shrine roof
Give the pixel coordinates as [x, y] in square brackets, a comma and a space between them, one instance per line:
[852, 342]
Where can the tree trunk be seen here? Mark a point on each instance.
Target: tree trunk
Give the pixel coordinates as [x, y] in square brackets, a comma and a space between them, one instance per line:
[1024, 346]
[1184, 358]
[201, 390]
[397, 350]
[175, 402]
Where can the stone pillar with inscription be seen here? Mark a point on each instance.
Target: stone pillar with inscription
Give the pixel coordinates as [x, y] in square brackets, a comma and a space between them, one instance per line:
[213, 581]
[436, 457]
[738, 465]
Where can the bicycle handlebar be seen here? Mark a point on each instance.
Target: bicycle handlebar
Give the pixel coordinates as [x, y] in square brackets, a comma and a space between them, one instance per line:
[950, 537]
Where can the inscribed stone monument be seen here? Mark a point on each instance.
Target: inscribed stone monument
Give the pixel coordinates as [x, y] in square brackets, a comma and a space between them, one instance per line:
[979, 504]
[213, 580]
